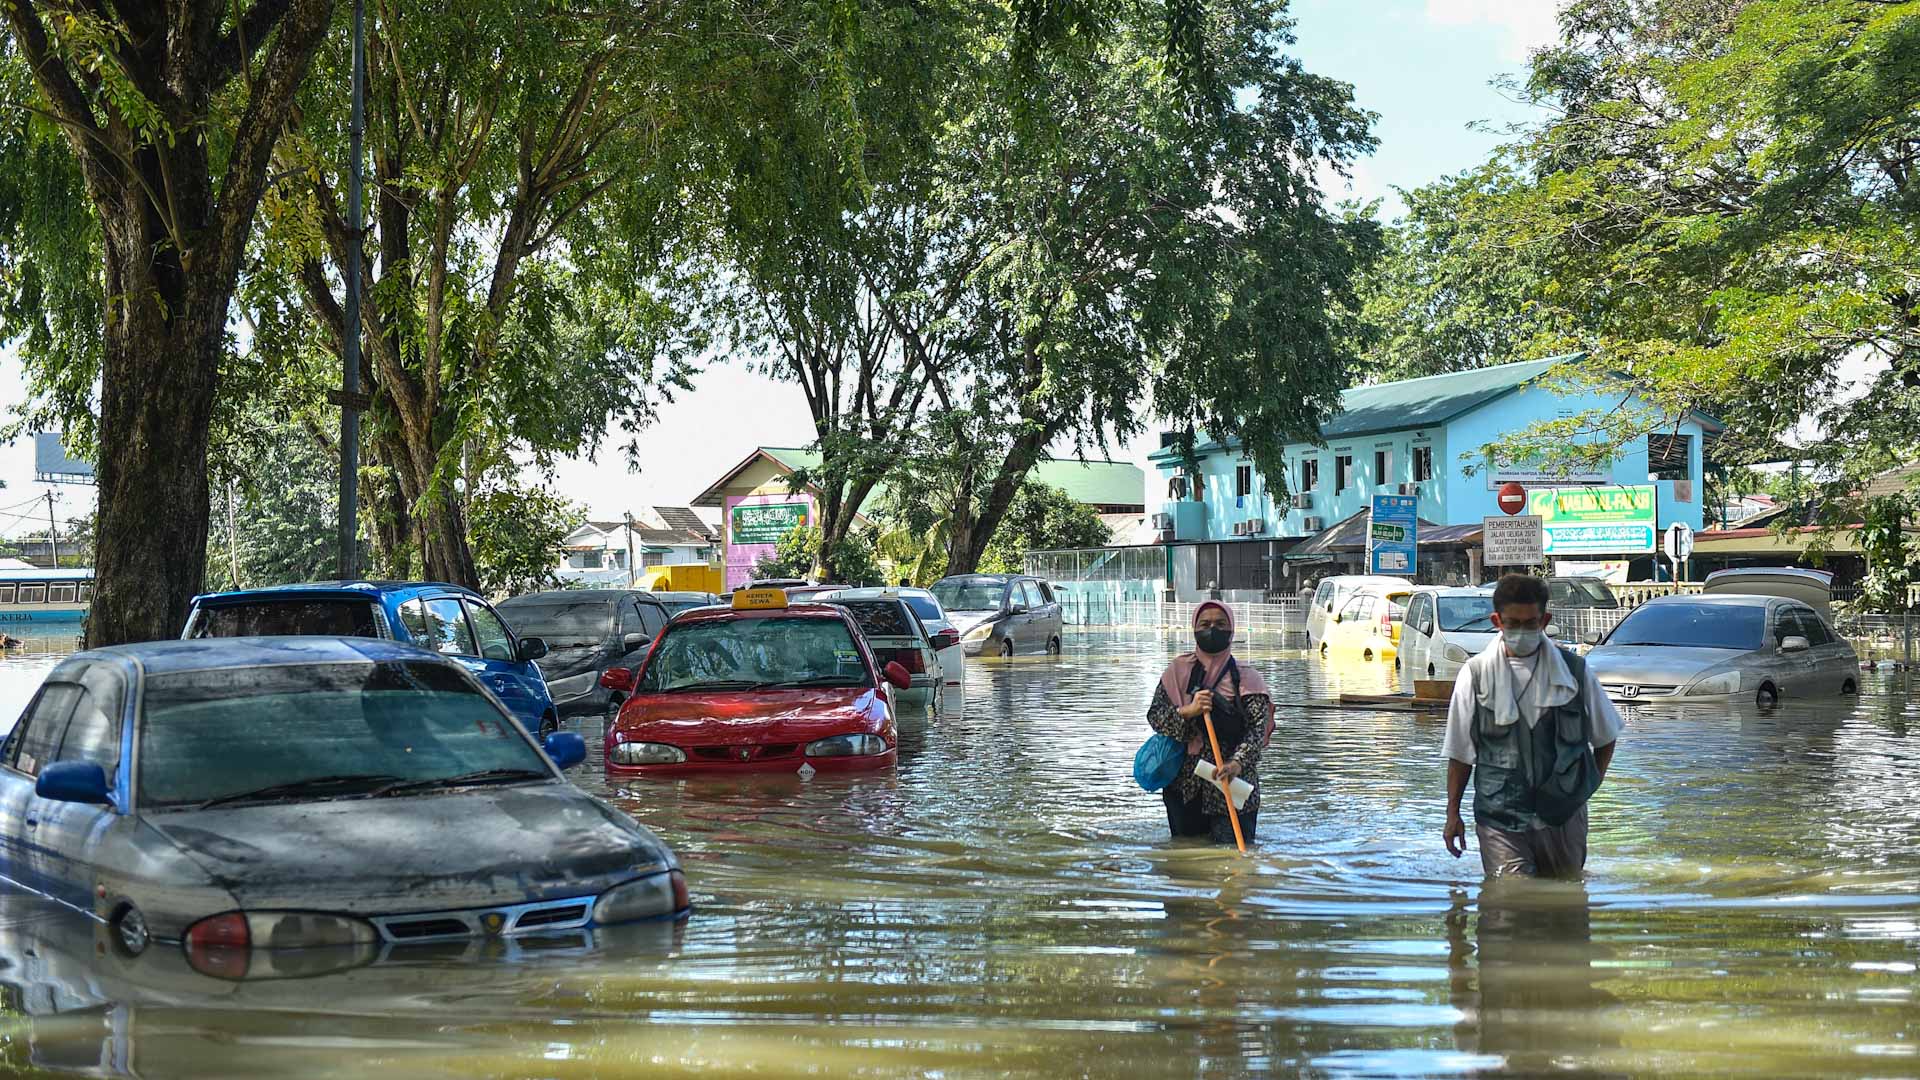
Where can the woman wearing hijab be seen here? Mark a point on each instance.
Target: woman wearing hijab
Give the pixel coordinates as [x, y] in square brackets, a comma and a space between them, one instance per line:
[1209, 679]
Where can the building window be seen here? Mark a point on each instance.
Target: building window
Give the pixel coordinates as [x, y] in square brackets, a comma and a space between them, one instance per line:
[1342, 472]
[1423, 463]
[653, 558]
[1243, 481]
[1382, 467]
[1309, 474]
[1669, 457]
[584, 560]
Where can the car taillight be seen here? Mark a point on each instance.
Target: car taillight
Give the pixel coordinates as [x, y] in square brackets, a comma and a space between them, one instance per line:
[679, 882]
[220, 946]
[907, 658]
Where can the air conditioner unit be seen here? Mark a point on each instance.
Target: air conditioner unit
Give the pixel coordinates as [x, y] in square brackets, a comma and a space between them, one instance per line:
[1303, 501]
[1409, 489]
[1256, 526]
[1162, 521]
[1242, 528]
[1163, 536]
[1314, 524]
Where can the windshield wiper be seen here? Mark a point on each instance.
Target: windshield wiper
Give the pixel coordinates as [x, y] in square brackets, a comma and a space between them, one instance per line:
[816, 680]
[344, 783]
[483, 776]
[717, 684]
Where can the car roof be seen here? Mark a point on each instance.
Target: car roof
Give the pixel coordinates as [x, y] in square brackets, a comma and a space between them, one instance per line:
[995, 578]
[568, 596]
[724, 614]
[703, 597]
[1729, 599]
[209, 654]
[882, 592]
[338, 589]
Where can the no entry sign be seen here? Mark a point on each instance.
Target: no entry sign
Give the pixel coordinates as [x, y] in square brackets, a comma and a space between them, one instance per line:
[1512, 497]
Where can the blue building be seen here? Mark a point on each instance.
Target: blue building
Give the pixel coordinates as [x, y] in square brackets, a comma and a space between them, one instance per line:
[1417, 437]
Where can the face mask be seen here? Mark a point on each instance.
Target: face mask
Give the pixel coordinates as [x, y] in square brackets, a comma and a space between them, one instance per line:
[1521, 642]
[1213, 639]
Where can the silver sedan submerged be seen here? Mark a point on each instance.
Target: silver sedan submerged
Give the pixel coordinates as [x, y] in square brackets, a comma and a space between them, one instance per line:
[303, 792]
[1724, 647]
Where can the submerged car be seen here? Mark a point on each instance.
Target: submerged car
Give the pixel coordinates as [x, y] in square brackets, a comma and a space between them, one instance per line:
[1444, 627]
[1368, 624]
[1002, 614]
[1726, 647]
[940, 629]
[304, 792]
[587, 631]
[763, 686]
[1331, 595]
[895, 634]
[677, 602]
[448, 619]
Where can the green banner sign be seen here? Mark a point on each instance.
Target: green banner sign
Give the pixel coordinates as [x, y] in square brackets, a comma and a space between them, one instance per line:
[1595, 520]
[766, 523]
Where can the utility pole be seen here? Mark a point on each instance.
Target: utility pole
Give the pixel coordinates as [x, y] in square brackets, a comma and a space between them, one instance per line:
[53, 531]
[233, 547]
[630, 567]
[351, 398]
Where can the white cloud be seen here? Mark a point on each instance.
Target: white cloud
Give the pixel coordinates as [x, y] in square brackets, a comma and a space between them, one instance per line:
[1527, 24]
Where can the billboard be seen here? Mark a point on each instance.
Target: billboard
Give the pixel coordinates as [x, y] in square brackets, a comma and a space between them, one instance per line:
[51, 465]
[754, 525]
[1392, 534]
[1595, 520]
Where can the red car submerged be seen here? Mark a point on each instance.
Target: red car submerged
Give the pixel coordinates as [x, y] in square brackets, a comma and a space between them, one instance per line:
[761, 687]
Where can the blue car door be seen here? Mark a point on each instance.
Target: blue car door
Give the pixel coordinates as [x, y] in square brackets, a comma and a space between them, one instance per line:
[518, 682]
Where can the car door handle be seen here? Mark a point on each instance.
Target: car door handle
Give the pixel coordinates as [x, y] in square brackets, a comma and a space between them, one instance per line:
[32, 821]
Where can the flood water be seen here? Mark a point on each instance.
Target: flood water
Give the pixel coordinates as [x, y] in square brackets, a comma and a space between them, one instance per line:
[1007, 903]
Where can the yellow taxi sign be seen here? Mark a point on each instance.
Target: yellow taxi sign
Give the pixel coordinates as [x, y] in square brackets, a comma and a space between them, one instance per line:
[759, 599]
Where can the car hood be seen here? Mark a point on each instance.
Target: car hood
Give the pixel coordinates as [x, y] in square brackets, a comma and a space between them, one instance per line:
[476, 847]
[1658, 664]
[964, 621]
[768, 716]
[1474, 641]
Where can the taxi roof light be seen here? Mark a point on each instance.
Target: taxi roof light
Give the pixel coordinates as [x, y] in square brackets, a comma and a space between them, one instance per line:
[759, 599]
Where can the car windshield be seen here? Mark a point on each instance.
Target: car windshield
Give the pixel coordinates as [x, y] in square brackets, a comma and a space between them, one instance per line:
[562, 623]
[1597, 592]
[970, 595]
[755, 652]
[1693, 625]
[881, 618]
[341, 617]
[305, 731]
[675, 607]
[1466, 613]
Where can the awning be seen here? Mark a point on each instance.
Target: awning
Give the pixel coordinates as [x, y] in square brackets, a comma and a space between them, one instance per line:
[1350, 534]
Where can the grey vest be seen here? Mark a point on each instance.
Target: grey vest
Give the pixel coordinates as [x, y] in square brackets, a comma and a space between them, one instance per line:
[1511, 762]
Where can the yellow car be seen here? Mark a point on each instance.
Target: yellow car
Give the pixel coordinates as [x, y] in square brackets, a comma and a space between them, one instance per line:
[1368, 624]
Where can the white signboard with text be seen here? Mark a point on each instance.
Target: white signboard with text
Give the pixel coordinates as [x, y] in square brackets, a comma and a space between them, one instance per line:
[1518, 540]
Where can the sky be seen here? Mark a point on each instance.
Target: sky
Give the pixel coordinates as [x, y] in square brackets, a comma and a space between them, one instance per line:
[1426, 67]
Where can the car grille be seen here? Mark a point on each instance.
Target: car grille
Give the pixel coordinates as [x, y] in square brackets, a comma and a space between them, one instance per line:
[1636, 691]
[567, 914]
[747, 752]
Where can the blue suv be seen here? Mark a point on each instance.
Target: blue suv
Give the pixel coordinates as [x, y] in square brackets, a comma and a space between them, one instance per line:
[448, 619]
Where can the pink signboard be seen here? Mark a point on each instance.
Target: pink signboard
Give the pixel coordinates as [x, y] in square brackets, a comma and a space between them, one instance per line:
[754, 526]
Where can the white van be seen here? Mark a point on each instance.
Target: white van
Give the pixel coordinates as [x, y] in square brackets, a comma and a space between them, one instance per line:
[1332, 595]
[1443, 629]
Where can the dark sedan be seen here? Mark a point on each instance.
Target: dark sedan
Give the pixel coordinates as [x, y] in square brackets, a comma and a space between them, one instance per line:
[587, 631]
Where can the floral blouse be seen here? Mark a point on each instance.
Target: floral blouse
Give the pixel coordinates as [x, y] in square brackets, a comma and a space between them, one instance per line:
[1166, 720]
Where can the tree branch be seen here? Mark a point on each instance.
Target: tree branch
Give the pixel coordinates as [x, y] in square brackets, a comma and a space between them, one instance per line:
[237, 47]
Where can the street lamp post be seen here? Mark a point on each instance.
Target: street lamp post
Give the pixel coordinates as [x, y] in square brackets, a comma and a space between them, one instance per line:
[350, 395]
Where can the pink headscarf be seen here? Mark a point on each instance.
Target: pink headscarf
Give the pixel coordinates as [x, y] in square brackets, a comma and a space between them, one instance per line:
[1180, 673]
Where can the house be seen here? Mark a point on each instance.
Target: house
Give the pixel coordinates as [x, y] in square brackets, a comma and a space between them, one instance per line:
[759, 505]
[1419, 437]
[610, 553]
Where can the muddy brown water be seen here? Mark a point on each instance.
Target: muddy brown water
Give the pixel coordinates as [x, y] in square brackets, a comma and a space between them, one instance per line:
[1007, 903]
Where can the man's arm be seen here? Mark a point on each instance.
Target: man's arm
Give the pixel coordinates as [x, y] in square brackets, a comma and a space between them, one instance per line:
[1603, 756]
[1456, 831]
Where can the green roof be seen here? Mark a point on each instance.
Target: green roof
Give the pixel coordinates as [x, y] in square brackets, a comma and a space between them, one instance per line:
[1432, 400]
[1094, 482]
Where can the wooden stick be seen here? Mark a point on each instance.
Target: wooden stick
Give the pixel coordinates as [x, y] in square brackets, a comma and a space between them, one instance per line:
[1226, 792]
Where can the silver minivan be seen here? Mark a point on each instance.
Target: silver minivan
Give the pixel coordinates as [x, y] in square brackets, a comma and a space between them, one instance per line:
[1002, 614]
[1443, 629]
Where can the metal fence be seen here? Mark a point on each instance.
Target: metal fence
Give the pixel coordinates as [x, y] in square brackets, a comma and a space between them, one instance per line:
[1269, 619]
[1099, 564]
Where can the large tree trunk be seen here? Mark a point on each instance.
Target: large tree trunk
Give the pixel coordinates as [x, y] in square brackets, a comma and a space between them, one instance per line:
[969, 542]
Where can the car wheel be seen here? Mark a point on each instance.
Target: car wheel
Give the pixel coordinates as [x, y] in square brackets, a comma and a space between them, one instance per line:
[1396, 665]
[1367, 655]
[130, 931]
[1323, 650]
[1849, 688]
[614, 702]
[1430, 672]
[1053, 646]
[1767, 697]
[548, 725]
[1006, 647]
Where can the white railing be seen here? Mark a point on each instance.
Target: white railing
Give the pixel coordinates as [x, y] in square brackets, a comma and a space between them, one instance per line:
[1279, 617]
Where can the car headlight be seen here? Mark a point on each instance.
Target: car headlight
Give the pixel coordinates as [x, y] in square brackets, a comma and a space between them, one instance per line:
[979, 633]
[646, 753]
[278, 930]
[1727, 682]
[1456, 654]
[645, 898]
[847, 746]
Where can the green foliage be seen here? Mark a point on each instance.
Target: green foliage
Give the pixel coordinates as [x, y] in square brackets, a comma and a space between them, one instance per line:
[856, 559]
[1893, 564]
[1042, 518]
[517, 536]
[275, 505]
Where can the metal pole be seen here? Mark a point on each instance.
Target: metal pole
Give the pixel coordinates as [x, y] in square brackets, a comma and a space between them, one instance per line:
[53, 532]
[630, 568]
[350, 351]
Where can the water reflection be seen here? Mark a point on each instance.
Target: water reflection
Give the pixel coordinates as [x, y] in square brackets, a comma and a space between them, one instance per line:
[1007, 903]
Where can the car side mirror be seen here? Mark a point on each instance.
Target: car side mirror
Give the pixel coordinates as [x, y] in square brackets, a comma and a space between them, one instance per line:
[634, 641]
[617, 678]
[1339, 618]
[532, 648]
[1795, 643]
[566, 748]
[73, 781]
[946, 639]
[1591, 637]
[897, 675]
[1016, 609]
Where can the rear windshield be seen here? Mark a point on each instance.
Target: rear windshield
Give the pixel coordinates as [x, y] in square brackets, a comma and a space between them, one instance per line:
[1705, 626]
[1466, 613]
[753, 653]
[300, 618]
[562, 624]
[966, 595]
[341, 728]
[1580, 592]
[880, 618]
[926, 607]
